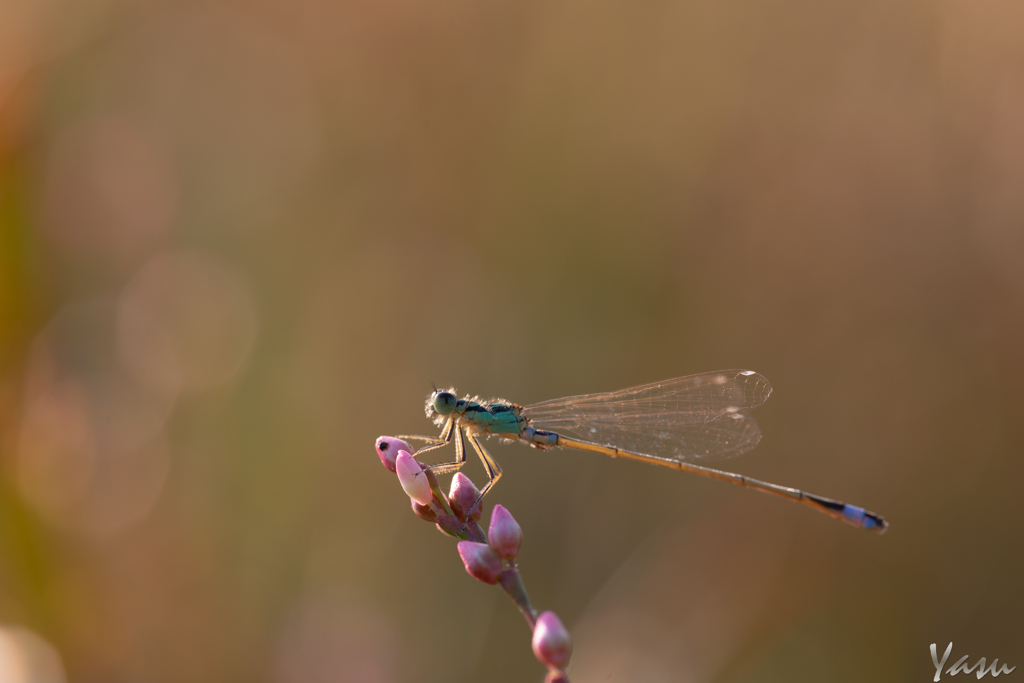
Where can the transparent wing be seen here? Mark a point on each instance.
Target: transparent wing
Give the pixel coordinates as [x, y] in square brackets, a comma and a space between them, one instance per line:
[699, 417]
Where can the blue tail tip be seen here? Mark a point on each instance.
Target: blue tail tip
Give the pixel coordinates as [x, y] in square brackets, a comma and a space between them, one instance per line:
[864, 519]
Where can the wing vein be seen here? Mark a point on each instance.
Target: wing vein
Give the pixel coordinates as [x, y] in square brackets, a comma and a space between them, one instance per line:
[698, 417]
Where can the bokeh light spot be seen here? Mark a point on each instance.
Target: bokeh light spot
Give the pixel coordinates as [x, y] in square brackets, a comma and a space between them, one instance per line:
[91, 456]
[109, 189]
[186, 322]
[27, 658]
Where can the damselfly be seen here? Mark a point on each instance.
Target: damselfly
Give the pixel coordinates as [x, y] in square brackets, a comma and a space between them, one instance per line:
[674, 423]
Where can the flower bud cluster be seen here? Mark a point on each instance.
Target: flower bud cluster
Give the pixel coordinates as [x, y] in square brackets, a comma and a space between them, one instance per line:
[492, 561]
[486, 561]
[428, 501]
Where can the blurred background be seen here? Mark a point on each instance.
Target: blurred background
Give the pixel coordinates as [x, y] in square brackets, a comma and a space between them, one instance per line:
[238, 240]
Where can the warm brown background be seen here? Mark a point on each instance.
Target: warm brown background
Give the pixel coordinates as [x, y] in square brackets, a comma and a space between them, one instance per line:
[239, 239]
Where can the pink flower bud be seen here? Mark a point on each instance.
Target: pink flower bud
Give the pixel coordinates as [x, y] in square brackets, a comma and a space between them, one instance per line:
[505, 534]
[412, 478]
[424, 512]
[556, 676]
[387, 450]
[551, 643]
[481, 561]
[464, 493]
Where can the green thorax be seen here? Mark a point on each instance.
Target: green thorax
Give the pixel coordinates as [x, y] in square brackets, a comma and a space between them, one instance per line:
[491, 418]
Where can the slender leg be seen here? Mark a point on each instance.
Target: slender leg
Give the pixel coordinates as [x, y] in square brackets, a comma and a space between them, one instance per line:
[451, 430]
[420, 437]
[446, 436]
[493, 470]
[460, 457]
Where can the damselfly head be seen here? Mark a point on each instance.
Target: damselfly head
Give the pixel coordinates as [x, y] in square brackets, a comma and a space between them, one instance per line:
[441, 403]
[444, 402]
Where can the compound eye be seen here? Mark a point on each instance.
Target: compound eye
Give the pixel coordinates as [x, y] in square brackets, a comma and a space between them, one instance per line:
[444, 402]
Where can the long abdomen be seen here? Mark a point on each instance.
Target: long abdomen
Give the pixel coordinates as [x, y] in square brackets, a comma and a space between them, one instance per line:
[851, 514]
